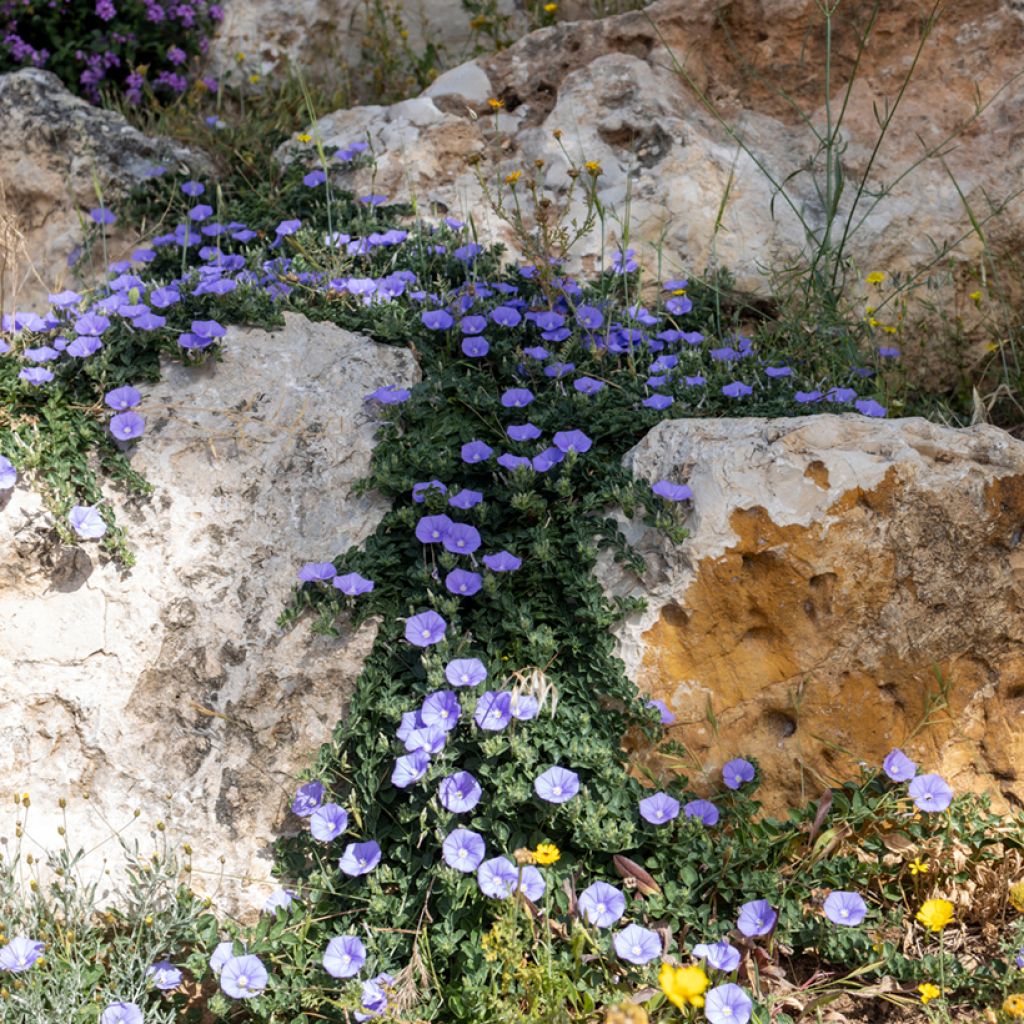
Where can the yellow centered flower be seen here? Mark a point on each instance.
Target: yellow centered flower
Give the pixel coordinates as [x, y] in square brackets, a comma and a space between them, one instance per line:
[593, 166]
[1013, 1006]
[875, 277]
[304, 137]
[935, 914]
[254, 79]
[550, 8]
[918, 867]
[546, 853]
[495, 104]
[683, 986]
[511, 179]
[975, 297]
[928, 992]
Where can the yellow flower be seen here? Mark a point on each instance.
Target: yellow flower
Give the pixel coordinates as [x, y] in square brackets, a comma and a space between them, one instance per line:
[304, 137]
[928, 992]
[511, 179]
[875, 277]
[935, 914]
[683, 986]
[593, 166]
[254, 79]
[1017, 896]
[550, 8]
[975, 296]
[546, 853]
[918, 867]
[872, 322]
[889, 330]
[1013, 1006]
[628, 1013]
[495, 104]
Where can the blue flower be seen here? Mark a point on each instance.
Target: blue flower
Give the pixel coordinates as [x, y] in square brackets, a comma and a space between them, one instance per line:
[497, 877]
[736, 772]
[476, 451]
[243, 977]
[493, 710]
[465, 672]
[516, 398]
[557, 785]
[601, 904]
[898, 766]
[459, 793]
[463, 582]
[410, 768]
[463, 850]
[425, 629]
[327, 822]
[703, 810]
[360, 858]
[659, 809]
[344, 957]
[637, 945]
[308, 797]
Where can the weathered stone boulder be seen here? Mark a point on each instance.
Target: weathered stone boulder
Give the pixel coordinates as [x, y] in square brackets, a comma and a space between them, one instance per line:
[849, 585]
[614, 90]
[168, 686]
[58, 149]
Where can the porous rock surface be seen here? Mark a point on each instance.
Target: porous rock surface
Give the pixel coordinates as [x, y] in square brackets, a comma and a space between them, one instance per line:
[57, 149]
[168, 686]
[613, 88]
[849, 585]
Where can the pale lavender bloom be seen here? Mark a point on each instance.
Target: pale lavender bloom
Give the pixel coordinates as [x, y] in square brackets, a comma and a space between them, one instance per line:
[375, 991]
[502, 561]
[193, 188]
[475, 347]
[243, 977]
[428, 739]
[532, 884]
[547, 459]
[497, 877]
[572, 441]
[466, 499]
[602, 904]
[101, 215]
[778, 371]
[121, 1013]
[419, 491]
[165, 975]
[703, 810]
[476, 451]
[352, 584]
[524, 707]
[126, 426]
[898, 766]
[315, 572]
[493, 710]
[736, 772]
[463, 850]
[441, 709]
[523, 432]
[461, 539]
[589, 317]
[437, 319]
[389, 394]
[221, 955]
[465, 672]
[666, 716]
[410, 768]
[736, 389]
[459, 793]
[719, 955]
[308, 797]
[327, 822]
[360, 858]
[637, 945]
[8, 474]
[463, 582]
[587, 385]
[727, 1004]
[841, 396]
[432, 529]
[425, 629]
[869, 407]
[512, 462]
[410, 721]
[344, 957]
[557, 785]
[756, 918]
[84, 346]
[658, 402]
[122, 399]
[87, 522]
[845, 908]
[516, 398]
[672, 492]
[930, 793]
[279, 899]
[20, 954]
[659, 809]
[506, 316]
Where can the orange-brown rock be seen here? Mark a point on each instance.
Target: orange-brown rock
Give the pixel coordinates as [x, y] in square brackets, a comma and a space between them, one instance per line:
[849, 585]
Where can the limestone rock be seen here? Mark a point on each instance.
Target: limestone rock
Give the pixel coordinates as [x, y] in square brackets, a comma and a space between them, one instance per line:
[57, 150]
[849, 585]
[169, 686]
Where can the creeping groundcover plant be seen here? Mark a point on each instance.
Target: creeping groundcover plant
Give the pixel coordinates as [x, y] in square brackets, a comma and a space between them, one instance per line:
[471, 846]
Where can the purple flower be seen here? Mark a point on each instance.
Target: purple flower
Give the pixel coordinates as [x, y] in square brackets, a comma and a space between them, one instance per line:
[659, 809]
[465, 672]
[524, 707]
[122, 399]
[409, 724]
[523, 432]
[84, 346]
[466, 499]
[101, 215]
[516, 398]
[602, 904]
[437, 319]
[587, 385]
[512, 462]
[126, 426]
[666, 716]
[389, 394]
[637, 945]
[360, 858]
[672, 492]
[441, 709]
[375, 991]
[778, 371]
[930, 793]
[719, 955]
[806, 397]
[20, 954]
[841, 396]
[243, 977]
[658, 402]
[845, 908]
[327, 822]
[121, 1013]
[314, 178]
[308, 797]
[589, 317]
[193, 188]
[493, 710]
[8, 474]
[695, 381]
[315, 572]
[463, 850]
[221, 955]
[420, 491]
[736, 389]
[87, 522]
[572, 441]
[1019, 959]
[502, 561]
[463, 582]
[461, 539]
[410, 768]
[506, 316]
[476, 451]
[728, 1004]
[165, 975]
[736, 772]
[531, 884]
[898, 766]
[425, 629]
[352, 584]
[279, 899]
[475, 347]
[703, 810]
[756, 918]
[344, 957]
[459, 793]
[869, 407]
[432, 529]
[497, 877]
[426, 738]
[557, 785]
